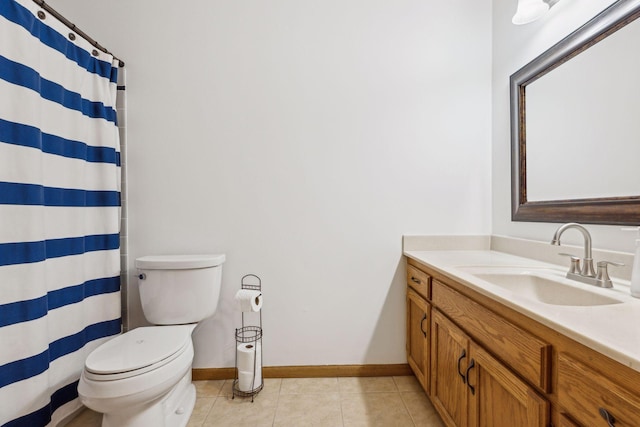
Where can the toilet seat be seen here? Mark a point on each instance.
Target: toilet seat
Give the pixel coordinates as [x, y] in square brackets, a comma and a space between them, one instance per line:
[137, 352]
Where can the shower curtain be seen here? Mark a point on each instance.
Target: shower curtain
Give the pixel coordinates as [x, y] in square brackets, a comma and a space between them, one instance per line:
[59, 212]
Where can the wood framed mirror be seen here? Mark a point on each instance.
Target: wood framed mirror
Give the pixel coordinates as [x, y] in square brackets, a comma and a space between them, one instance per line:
[575, 125]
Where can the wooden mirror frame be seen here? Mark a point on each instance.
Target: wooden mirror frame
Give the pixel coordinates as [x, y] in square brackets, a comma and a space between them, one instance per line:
[606, 210]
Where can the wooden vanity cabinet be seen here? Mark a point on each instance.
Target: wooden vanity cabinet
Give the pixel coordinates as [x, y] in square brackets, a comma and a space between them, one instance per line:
[488, 365]
[470, 388]
[467, 385]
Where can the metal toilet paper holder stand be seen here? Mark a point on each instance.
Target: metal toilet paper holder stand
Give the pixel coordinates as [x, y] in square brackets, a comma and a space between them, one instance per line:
[249, 334]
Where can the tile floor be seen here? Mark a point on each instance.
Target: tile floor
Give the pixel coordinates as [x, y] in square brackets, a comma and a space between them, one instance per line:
[317, 402]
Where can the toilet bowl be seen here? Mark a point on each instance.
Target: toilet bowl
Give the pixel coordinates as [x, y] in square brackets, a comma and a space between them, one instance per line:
[129, 377]
[143, 377]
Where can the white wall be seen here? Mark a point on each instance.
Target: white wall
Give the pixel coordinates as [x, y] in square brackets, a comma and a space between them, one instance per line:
[302, 138]
[513, 47]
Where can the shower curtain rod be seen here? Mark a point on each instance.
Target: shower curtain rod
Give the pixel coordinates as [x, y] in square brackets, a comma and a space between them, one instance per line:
[75, 29]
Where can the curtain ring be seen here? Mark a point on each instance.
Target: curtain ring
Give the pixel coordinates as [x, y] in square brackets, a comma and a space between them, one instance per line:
[41, 14]
[94, 52]
[72, 36]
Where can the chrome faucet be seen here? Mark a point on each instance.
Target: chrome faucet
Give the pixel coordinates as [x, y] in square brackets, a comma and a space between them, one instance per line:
[587, 261]
[586, 274]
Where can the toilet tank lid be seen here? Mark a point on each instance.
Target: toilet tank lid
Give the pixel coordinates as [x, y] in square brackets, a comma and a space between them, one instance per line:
[179, 262]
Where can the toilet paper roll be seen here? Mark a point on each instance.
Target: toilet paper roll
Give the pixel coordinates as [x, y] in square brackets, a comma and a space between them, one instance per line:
[247, 354]
[249, 300]
[247, 383]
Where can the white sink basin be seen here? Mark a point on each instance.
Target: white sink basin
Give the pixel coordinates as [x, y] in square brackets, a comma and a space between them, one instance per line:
[543, 286]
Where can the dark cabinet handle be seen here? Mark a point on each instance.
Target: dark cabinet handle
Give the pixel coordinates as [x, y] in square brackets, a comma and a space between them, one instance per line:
[471, 365]
[462, 356]
[421, 322]
[414, 280]
[607, 417]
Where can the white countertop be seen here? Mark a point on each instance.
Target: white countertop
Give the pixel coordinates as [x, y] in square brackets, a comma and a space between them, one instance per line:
[613, 330]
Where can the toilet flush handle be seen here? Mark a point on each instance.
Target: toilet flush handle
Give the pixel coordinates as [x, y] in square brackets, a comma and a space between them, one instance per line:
[142, 276]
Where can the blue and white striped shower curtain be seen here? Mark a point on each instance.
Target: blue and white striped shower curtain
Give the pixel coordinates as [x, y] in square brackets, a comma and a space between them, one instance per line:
[59, 213]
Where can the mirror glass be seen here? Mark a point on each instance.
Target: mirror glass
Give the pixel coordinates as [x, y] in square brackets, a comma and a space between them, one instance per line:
[575, 125]
[583, 123]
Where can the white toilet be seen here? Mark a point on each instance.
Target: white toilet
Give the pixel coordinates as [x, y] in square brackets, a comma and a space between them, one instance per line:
[143, 378]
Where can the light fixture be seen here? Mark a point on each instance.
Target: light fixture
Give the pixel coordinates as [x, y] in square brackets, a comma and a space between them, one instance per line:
[529, 11]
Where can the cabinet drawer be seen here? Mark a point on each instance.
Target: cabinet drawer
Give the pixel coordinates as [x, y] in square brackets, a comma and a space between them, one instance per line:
[419, 280]
[582, 392]
[526, 354]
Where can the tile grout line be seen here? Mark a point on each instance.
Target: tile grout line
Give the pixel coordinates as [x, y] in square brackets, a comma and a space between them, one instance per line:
[413, 421]
[275, 413]
[403, 402]
[407, 408]
[340, 400]
[340, 397]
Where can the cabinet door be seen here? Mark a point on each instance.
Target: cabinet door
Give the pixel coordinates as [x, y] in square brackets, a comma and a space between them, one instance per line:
[449, 358]
[418, 311]
[498, 398]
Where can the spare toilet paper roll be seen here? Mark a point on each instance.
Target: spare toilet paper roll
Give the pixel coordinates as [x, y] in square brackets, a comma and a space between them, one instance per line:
[247, 383]
[247, 354]
[249, 300]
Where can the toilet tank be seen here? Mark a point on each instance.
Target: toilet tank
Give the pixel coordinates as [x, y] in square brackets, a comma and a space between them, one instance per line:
[178, 289]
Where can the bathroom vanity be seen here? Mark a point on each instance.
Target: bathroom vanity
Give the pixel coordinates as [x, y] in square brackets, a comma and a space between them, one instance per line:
[500, 339]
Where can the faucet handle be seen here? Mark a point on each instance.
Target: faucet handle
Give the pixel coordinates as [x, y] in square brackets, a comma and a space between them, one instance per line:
[605, 263]
[602, 275]
[575, 263]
